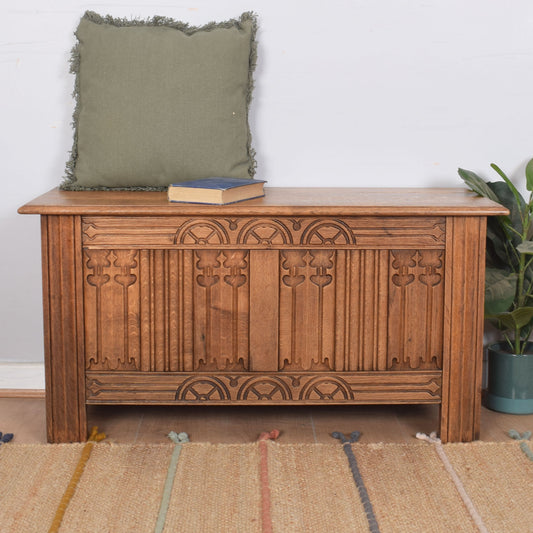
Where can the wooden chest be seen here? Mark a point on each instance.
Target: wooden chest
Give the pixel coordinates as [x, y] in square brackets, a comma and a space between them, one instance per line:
[307, 296]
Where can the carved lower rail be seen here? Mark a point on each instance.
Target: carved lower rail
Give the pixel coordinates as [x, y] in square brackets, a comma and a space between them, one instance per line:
[258, 388]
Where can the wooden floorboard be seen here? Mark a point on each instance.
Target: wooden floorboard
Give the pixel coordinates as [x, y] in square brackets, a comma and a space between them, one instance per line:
[25, 417]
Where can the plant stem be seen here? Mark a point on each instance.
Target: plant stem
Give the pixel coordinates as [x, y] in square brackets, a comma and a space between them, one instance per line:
[521, 295]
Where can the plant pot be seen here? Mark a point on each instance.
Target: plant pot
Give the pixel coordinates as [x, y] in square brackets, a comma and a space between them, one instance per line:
[510, 383]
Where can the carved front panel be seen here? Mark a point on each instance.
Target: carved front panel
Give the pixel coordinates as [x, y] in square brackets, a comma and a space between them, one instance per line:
[307, 310]
[321, 309]
[221, 310]
[112, 309]
[416, 309]
[361, 310]
[166, 310]
[263, 294]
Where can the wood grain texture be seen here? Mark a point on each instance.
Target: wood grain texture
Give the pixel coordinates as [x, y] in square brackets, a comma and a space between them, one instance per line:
[304, 297]
[260, 388]
[277, 201]
[264, 232]
[238, 310]
[63, 329]
[463, 330]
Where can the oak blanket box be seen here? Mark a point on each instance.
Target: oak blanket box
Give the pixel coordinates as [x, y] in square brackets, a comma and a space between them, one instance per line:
[305, 296]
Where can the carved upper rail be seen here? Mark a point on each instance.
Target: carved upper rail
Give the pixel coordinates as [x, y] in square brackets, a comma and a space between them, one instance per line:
[264, 232]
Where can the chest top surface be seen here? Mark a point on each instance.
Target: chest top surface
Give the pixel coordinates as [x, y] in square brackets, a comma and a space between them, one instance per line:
[277, 201]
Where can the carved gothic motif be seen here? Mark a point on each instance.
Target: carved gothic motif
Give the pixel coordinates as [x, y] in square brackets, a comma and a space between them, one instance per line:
[296, 223]
[208, 264]
[235, 261]
[126, 261]
[439, 232]
[265, 389]
[264, 232]
[201, 233]
[293, 261]
[403, 262]
[326, 388]
[202, 390]
[322, 261]
[327, 233]
[97, 261]
[431, 262]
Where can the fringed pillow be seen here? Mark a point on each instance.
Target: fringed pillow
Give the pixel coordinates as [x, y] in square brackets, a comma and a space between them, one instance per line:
[159, 102]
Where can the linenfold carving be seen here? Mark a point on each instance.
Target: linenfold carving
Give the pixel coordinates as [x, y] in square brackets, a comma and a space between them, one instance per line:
[416, 310]
[110, 273]
[339, 310]
[304, 306]
[221, 311]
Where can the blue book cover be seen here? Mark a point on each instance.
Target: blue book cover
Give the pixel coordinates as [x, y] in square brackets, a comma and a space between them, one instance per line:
[216, 190]
[217, 183]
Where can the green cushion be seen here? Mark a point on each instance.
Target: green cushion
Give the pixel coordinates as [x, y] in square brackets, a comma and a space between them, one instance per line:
[160, 102]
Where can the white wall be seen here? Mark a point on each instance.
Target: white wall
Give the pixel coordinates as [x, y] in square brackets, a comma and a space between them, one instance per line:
[348, 93]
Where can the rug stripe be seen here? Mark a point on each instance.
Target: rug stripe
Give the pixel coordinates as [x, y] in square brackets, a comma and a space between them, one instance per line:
[219, 489]
[358, 478]
[476, 517]
[178, 439]
[74, 480]
[266, 501]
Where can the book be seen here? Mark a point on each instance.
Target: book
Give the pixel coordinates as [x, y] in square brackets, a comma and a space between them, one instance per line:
[216, 190]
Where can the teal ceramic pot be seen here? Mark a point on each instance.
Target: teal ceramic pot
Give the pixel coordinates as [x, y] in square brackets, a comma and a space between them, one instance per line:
[510, 385]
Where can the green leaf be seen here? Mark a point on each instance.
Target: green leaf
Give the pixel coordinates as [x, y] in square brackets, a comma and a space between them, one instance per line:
[510, 184]
[498, 256]
[478, 185]
[529, 175]
[525, 247]
[516, 319]
[516, 205]
[500, 289]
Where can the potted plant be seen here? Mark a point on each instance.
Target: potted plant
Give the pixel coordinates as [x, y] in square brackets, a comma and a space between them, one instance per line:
[509, 291]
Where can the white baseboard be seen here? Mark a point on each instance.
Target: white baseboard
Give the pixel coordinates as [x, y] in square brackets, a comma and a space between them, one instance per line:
[22, 376]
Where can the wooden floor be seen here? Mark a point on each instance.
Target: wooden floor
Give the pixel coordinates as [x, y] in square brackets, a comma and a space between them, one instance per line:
[25, 417]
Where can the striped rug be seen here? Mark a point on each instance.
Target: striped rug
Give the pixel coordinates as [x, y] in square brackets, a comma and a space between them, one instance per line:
[267, 486]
